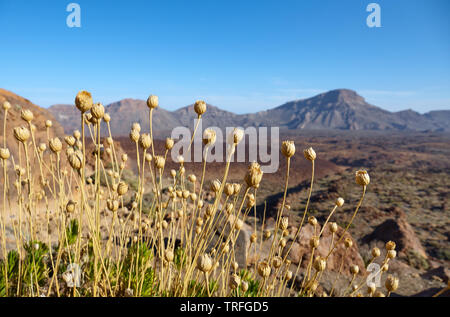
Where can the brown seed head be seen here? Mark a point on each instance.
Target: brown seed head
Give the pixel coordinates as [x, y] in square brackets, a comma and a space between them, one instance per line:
[21, 134]
[145, 141]
[209, 137]
[362, 178]
[55, 145]
[83, 101]
[320, 264]
[204, 263]
[26, 115]
[200, 107]
[339, 202]
[152, 102]
[169, 143]
[4, 154]
[309, 154]
[254, 175]
[288, 148]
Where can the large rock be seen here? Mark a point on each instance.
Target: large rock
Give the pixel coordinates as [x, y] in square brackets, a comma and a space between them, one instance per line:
[398, 230]
[301, 251]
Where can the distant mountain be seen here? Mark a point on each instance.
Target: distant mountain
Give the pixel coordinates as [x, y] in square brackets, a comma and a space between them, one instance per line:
[340, 109]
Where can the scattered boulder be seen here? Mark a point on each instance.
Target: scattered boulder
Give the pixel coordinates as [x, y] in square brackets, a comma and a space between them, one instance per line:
[398, 230]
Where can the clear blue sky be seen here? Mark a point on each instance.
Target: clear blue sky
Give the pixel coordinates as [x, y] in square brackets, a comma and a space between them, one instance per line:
[242, 56]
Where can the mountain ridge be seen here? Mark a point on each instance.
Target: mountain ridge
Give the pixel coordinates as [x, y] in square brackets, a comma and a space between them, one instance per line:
[338, 109]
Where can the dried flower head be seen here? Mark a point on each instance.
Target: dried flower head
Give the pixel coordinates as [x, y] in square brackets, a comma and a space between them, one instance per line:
[320, 264]
[228, 189]
[209, 137]
[200, 107]
[48, 123]
[6, 106]
[152, 102]
[235, 136]
[376, 252]
[354, 269]
[312, 221]
[4, 154]
[264, 269]
[26, 115]
[70, 140]
[204, 263]
[134, 135]
[169, 143]
[98, 111]
[55, 145]
[309, 154]
[339, 202]
[136, 126]
[21, 134]
[215, 185]
[348, 243]
[390, 245]
[362, 178]
[145, 141]
[75, 160]
[83, 101]
[391, 254]
[70, 206]
[314, 242]
[112, 205]
[254, 175]
[284, 223]
[122, 188]
[169, 255]
[333, 227]
[159, 162]
[391, 283]
[107, 117]
[288, 148]
[277, 261]
[235, 281]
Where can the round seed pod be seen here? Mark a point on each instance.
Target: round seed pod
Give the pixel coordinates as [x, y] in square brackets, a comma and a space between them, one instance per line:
[152, 102]
[112, 205]
[339, 202]
[107, 117]
[169, 144]
[70, 206]
[309, 154]
[148, 157]
[362, 178]
[209, 137]
[264, 269]
[254, 175]
[236, 136]
[267, 234]
[284, 223]
[192, 178]
[26, 115]
[238, 224]
[391, 254]
[70, 140]
[237, 188]
[136, 126]
[21, 134]
[253, 238]
[124, 157]
[320, 264]
[385, 267]
[277, 261]
[173, 173]
[4, 153]
[235, 281]
[391, 283]
[200, 107]
[312, 221]
[228, 189]
[390, 245]
[122, 188]
[348, 243]
[168, 254]
[83, 101]
[75, 161]
[159, 162]
[6, 106]
[48, 123]
[134, 135]
[283, 242]
[145, 141]
[314, 242]
[333, 227]
[244, 286]
[354, 269]
[98, 111]
[288, 148]
[55, 145]
[215, 185]
[204, 263]
[376, 252]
